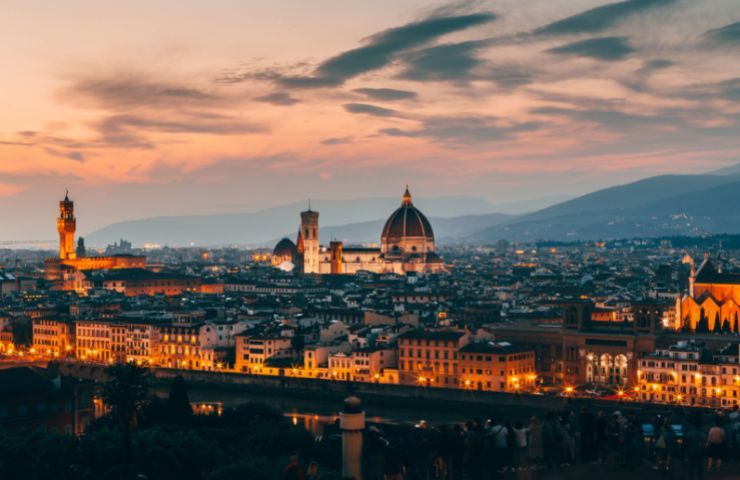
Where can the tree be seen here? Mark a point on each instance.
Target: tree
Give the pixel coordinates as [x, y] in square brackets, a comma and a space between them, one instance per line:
[717, 327]
[178, 402]
[298, 342]
[737, 326]
[126, 392]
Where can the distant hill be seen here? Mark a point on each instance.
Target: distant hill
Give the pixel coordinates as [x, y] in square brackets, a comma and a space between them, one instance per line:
[264, 226]
[445, 229]
[656, 206]
[729, 170]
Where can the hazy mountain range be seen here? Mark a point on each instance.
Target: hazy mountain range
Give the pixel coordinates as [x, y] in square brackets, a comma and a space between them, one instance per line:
[656, 206]
[357, 219]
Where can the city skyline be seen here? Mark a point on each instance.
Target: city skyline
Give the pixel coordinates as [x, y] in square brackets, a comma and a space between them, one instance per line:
[141, 113]
[398, 239]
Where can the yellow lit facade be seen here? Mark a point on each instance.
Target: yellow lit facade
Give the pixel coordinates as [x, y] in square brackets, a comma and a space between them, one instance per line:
[687, 374]
[497, 367]
[93, 341]
[53, 337]
[430, 358]
[179, 347]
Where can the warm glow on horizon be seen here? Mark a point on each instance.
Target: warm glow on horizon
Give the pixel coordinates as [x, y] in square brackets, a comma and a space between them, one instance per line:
[196, 107]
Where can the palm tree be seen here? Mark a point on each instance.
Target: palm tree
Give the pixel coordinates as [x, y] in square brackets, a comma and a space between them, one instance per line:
[125, 393]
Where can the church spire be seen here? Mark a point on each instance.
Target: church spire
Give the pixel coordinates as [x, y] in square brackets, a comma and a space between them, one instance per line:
[406, 197]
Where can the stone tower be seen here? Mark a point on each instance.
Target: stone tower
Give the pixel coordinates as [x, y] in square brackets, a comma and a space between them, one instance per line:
[66, 226]
[81, 250]
[310, 236]
[336, 257]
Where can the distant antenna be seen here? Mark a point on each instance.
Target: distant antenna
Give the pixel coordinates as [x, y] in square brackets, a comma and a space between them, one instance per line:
[309, 204]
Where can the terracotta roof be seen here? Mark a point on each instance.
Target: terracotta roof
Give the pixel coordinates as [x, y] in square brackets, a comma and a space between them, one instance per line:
[407, 221]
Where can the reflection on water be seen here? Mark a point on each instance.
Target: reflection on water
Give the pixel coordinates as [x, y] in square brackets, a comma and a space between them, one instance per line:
[316, 424]
[313, 423]
[315, 414]
[207, 408]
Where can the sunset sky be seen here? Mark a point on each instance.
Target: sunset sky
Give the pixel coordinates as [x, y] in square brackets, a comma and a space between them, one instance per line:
[143, 108]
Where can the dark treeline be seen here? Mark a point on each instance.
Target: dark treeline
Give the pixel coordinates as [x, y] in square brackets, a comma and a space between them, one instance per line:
[167, 442]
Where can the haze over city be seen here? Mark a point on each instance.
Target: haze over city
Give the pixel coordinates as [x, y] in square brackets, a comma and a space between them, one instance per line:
[154, 108]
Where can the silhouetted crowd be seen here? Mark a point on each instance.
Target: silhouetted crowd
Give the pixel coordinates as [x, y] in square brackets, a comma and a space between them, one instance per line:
[480, 450]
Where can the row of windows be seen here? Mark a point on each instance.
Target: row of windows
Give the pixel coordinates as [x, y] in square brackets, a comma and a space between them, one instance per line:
[423, 353]
[428, 343]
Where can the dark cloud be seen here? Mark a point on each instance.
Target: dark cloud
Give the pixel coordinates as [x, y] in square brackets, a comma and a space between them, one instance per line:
[731, 89]
[278, 98]
[462, 129]
[369, 109]
[453, 61]
[136, 104]
[639, 81]
[337, 140]
[308, 82]
[599, 18]
[617, 120]
[727, 89]
[729, 34]
[509, 76]
[194, 123]
[386, 94]
[603, 48]
[122, 91]
[71, 155]
[16, 144]
[654, 65]
[383, 48]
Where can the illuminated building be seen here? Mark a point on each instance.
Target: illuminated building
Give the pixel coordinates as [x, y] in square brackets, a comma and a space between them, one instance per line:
[66, 266]
[497, 367]
[689, 374]
[406, 245]
[116, 340]
[66, 226]
[341, 367]
[316, 357]
[373, 364]
[430, 358]
[179, 347]
[53, 337]
[712, 303]
[93, 341]
[137, 281]
[585, 348]
[134, 342]
[253, 351]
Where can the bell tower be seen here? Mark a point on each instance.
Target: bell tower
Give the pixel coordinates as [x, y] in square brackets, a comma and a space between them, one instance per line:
[310, 236]
[66, 225]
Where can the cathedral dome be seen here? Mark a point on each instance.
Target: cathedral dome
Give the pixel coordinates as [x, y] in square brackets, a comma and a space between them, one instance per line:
[284, 251]
[407, 230]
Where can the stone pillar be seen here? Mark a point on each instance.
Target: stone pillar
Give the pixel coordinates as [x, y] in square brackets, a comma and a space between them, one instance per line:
[352, 424]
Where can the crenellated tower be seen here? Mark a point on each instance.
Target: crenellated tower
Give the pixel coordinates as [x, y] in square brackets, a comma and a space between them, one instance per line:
[66, 226]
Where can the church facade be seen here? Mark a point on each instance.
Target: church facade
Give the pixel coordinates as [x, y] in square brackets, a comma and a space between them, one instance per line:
[712, 304]
[406, 245]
